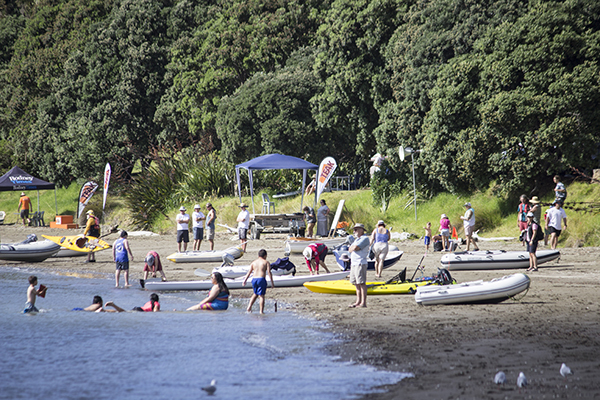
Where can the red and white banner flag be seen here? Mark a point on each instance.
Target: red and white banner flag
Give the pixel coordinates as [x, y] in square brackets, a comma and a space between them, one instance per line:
[106, 183]
[87, 190]
[326, 170]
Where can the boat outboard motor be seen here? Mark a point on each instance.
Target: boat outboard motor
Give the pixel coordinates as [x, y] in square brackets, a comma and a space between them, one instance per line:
[30, 239]
[228, 260]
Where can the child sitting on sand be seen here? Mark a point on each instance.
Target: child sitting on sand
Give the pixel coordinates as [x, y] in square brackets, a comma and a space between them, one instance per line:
[32, 294]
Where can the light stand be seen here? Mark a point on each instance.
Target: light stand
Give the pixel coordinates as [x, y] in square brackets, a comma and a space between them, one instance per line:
[403, 152]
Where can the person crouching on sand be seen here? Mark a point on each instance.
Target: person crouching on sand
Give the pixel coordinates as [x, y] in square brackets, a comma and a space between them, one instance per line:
[258, 270]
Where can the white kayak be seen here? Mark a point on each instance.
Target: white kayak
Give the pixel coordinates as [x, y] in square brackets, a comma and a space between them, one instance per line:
[205, 256]
[496, 259]
[393, 256]
[297, 245]
[236, 271]
[493, 291]
[28, 252]
[279, 281]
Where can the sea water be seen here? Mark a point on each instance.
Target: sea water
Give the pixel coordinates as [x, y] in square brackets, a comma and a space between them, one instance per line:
[63, 354]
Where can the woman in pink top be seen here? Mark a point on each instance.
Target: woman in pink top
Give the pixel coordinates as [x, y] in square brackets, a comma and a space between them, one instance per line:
[445, 227]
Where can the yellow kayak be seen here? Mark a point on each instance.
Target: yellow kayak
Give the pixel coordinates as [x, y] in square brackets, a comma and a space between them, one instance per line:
[82, 244]
[373, 288]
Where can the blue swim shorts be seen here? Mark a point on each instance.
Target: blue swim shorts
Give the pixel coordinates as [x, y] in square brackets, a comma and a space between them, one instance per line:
[427, 240]
[260, 286]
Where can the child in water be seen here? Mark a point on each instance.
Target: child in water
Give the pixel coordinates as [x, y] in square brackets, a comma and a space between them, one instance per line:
[32, 294]
[427, 236]
[152, 306]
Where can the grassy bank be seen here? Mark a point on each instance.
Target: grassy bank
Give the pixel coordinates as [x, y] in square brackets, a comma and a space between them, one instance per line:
[495, 216]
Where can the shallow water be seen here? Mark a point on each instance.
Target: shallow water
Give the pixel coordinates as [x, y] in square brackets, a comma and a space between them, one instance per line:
[63, 354]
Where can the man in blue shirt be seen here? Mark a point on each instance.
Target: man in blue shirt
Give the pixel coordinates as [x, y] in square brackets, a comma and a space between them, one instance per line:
[359, 252]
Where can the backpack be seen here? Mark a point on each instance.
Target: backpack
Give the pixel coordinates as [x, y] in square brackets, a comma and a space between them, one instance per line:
[437, 246]
[539, 234]
[443, 277]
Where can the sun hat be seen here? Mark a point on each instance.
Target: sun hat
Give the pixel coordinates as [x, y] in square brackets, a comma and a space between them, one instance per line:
[208, 205]
[307, 253]
[182, 208]
[467, 204]
[534, 200]
[149, 260]
[444, 216]
[196, 206]
[22, 193]
[358, 226]
[530, 214]
[380, 222]
[243, 205]
[344, 257]
[90, 212]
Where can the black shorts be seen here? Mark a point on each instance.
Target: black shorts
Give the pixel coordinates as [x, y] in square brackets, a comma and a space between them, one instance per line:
[123, 266]
[552, 229]
[532, 248]
[198, 233]
[242, 233]
[24, 214]
[183, 236]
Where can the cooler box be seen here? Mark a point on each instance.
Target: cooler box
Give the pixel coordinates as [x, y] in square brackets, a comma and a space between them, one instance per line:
[64, 222]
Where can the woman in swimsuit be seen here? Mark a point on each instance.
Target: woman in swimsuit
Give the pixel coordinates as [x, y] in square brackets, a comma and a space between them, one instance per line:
[218, 297]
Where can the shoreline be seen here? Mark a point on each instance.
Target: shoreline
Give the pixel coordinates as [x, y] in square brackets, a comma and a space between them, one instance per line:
[453, 351]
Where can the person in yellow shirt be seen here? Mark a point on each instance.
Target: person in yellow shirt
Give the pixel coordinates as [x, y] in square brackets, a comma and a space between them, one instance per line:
[24, 208]
[92, 229]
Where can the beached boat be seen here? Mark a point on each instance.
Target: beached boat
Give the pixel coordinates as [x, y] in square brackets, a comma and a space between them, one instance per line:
[393, 256]
[28, 252]
[236, 271]
[74, 246]
[497, 259]
[373, 288]
[205, 256]
[298, 244]
[279, 281]
[493, 291]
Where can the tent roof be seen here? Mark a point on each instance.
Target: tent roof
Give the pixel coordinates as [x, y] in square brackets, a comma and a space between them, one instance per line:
[276, 161]
[17, 179]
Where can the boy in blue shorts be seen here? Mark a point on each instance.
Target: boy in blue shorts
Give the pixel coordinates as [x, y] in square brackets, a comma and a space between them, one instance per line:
[259, 269]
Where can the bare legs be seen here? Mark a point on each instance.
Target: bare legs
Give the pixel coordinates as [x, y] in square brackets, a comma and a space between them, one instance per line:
[361, 296]
[261, 303]
[125, 274]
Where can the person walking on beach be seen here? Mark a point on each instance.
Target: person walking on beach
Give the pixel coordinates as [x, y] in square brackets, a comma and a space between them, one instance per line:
[469, 225]
[121, 251]
[210, 225]
[523, 209]
[322, 219]
[314, 255]
[24, 208]
[310, 219]
[379, 240]
[445, 228]
[32, 294]
[359, 251]
[243, 220]
[259, 269]
[92, 229]
[560, 191]
[531, 238]
[198, 226]
[183, 233]
[536, 209]
[555, 216]
[427, 237]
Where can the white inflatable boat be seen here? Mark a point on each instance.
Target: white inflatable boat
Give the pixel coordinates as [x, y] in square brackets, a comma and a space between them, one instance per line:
[205, 256]
[493, 291]
[496, 259]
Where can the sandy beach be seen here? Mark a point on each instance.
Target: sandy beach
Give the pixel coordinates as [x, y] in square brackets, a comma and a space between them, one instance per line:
[453, 351]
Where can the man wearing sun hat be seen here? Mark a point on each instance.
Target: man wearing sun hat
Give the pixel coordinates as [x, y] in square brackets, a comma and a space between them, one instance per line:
[183, 233]
[25, 202]
[314, 255]
[198, 226]
[359, 252]
[92, 229]
[469, 225]
[243, 221]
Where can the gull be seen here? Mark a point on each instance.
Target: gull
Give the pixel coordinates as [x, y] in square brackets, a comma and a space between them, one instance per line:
[212, 388]
[565, 370]
[521, 380]
[500, 378]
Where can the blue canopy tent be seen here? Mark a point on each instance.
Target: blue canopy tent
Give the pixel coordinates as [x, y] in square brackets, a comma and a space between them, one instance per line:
[18, 180]
[273, 161]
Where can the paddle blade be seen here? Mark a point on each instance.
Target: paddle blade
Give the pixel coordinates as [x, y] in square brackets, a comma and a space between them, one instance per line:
[201, 272]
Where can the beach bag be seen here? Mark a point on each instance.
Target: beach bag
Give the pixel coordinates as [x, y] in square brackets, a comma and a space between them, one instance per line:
[438, 246]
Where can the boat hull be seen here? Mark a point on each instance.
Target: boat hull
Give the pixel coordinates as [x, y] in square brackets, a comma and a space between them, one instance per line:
[78, 244]
[237, 271]
[205, 256]
[494, 291]
[498, 259]
[28, 252]
[392, 258]
[373, 288]
[297, 245]
[279, 281]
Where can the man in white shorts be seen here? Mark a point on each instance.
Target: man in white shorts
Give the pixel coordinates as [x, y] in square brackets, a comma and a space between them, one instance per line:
[469, 224]
[359, 252]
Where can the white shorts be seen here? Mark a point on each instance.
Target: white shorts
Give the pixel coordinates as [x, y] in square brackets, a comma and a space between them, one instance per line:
[358, 274]
[381, 250]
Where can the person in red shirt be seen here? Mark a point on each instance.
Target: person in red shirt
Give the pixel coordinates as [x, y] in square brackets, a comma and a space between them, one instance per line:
[24, 208]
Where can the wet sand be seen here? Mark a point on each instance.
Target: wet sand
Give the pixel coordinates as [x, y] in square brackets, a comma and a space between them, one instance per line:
[453, 351]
